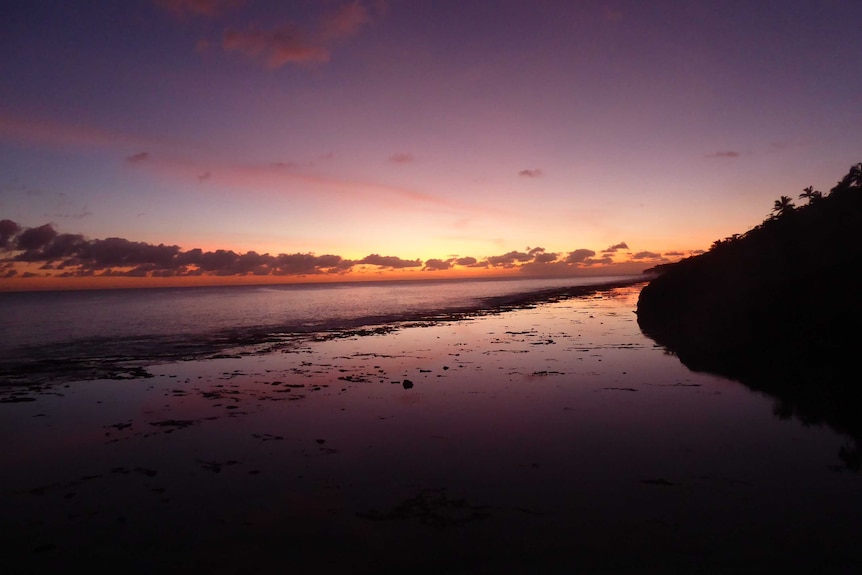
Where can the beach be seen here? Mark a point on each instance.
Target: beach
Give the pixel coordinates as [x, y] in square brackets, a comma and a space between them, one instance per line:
[544, 437]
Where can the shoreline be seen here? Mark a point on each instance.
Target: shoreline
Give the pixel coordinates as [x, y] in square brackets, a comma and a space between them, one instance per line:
[73, 361]
[311, 284]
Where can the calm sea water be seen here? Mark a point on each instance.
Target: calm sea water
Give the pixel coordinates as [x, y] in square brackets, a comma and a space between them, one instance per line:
[49, 333]
[554, 438]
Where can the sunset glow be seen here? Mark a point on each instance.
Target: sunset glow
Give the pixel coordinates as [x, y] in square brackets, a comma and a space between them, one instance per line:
[189, 142]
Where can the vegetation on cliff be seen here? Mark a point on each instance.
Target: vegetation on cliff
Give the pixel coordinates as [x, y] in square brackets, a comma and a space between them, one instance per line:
[777, 307]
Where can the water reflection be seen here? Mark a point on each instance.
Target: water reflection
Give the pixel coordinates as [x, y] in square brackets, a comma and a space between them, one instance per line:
[811, 396]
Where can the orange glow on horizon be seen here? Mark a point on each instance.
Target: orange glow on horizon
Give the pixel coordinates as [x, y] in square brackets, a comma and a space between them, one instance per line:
[43, 283]
[54, 283]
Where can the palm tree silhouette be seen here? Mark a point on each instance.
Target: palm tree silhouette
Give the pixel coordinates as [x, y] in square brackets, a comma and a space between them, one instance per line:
[810, 194]
[783, 206]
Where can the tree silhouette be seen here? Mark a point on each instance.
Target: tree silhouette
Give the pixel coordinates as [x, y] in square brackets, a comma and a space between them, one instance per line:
[783, 206]
[853, 179]
[811, 194]
[745, 310]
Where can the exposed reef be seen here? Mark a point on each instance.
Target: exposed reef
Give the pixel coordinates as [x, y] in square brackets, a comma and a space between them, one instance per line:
[776, 308]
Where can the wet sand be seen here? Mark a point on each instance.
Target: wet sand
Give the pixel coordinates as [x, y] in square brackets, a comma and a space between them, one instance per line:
[555, 438]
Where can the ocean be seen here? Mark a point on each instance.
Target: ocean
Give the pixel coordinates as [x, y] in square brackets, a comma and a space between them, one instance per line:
[82, 334]
[449, 427]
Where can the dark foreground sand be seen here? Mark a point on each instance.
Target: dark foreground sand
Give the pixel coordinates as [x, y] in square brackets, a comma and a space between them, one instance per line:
[544, 440]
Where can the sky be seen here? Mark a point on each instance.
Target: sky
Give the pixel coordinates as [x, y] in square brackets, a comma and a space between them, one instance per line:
[157, 142]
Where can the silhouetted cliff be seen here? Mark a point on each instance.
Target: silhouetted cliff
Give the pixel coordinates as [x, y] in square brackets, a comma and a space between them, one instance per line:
[777, 307]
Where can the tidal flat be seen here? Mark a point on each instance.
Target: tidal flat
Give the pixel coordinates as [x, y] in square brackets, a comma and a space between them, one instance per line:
[552, 438]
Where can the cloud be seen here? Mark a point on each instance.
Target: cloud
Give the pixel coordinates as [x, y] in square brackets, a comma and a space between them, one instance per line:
[276, 47]
[646, 256]
[389, 262]
[33, 239]
[272, 176]
[287, 44]
[68, 255]
[725, 154]
[62, 246]
[8, 229]
[540, 256]
[75, 256]
[545, 258]
[509, 259]
[437, 264]
[534, 173]
[302, 264]
[138, 158]
[46, 132]
[616, 247]
[120, 252]
[604, 260]
[285, 177]
[84, 213]
[344, 22]
[207, 8]
[532, 259]
[579, 256]
[579, 262]
[401, 158]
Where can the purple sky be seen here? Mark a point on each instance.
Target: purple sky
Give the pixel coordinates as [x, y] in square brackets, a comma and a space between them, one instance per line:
[424, 130]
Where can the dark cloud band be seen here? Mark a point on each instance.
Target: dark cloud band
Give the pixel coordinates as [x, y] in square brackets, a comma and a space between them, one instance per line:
[72, 255]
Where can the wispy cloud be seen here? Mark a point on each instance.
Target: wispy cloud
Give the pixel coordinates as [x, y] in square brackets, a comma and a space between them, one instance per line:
[62, 134]
[276, 47]
[138, 158]
[725, 154]
[289, 44]
[284, 178]
[161, 159]
[79, 215]
[344, 22]
[531, 173]
[401, 158]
